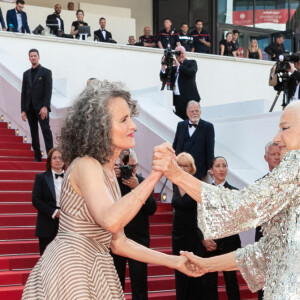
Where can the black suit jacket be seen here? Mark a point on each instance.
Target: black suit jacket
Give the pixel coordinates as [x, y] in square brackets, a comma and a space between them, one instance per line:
[292, 83]
[186, 81]
[98, 36]
[36, 91]
[44, 200]
[52, 19]
[138, 228]
[201, 147]
[229, 243]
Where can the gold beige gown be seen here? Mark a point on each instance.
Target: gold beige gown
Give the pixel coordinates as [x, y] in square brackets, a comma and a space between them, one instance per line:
[77, 264]
[273, 263]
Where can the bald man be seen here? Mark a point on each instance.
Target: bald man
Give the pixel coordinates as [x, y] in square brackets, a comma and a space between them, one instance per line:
[184, 78]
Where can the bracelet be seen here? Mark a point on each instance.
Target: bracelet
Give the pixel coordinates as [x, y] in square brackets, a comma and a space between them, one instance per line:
[137, 196]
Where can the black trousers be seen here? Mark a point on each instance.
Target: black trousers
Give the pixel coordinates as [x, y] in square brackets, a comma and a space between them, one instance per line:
[211, 283]
[260, 294]
[180, 107]
[44, 242]
[33, 120]
[138, 276]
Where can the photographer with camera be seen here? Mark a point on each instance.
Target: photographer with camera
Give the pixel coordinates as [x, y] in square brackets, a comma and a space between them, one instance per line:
[276, 48]
[137, 229]
[182, 73]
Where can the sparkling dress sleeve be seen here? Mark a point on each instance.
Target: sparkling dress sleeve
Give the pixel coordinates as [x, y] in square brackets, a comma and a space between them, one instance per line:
[251, 262]
[225, 212]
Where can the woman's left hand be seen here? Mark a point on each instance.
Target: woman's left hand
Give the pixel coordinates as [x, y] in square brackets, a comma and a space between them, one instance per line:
[197, 263]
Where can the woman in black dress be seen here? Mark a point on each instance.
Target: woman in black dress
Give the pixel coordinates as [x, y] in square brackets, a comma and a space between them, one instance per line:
[226, 46]
[185, 233]
[253, 51]
[79, 22]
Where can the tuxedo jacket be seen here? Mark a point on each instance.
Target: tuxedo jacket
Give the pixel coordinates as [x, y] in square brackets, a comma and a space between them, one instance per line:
[44, 200]
[98, 34]
[52, 19]
[186, 80]
[229, 243]
[2, 20]
[11, 19]
[292, 83]
[200, 145]
[36, 91]
[138, 228]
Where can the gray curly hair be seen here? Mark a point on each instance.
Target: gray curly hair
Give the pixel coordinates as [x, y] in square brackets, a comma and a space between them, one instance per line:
[87, 127]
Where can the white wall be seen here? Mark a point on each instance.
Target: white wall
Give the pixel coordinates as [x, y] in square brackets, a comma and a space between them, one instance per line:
[119, 22]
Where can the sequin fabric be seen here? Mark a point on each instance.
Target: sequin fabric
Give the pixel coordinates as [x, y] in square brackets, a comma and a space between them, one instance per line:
[273, 202]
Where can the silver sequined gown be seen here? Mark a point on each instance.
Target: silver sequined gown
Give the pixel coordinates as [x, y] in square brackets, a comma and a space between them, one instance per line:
[274, 203]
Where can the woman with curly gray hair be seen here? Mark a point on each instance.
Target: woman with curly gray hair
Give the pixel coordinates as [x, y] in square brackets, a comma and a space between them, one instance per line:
[77, 264]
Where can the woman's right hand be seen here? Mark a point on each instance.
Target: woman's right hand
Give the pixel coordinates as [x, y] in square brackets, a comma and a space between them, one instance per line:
[197, 263]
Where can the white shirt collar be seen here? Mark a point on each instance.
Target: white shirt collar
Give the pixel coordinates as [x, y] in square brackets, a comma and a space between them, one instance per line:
[220, 184]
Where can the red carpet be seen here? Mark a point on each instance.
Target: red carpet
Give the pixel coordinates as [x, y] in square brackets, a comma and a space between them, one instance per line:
[19, 247]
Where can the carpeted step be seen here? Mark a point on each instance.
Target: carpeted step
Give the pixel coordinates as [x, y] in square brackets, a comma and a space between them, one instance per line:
[3, 124]
[13, 233]
[166, 250]
[22, 165]
[164, 207]
[16, 158]
[18, 262]
[160, 241]
[14, 146]
[18, 220]
[19, 247]
[14, 185]
[11, 292]
[18, 196]
[16, 208]
[6, 131]
[18, 175]
[160, 229]
[161, 217]
[16, 153]
[14, 277]
[11, 138]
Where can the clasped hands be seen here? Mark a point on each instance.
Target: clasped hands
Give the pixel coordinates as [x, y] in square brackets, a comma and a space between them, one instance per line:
[164, 160]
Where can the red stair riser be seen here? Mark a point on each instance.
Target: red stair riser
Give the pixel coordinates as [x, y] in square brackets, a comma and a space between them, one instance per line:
[18, 262]
[14, 146]
[16, 247]
[11, 138]
[160, 229]
[22, 165]
[164, 217]
[18, 220]
[5, 131]
[3, 125]
[18, 208]
[18, 153]
[11, 293]
[17, 233]
[160, 241]
[15, 196]
[17, 175]
[16, 185]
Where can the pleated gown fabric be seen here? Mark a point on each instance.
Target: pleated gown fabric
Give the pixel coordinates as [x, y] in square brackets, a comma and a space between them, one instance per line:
[77, 263]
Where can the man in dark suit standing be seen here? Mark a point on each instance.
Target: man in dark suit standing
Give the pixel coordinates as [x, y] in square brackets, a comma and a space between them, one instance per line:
[102, 35]
[184, 79]
[55, 22]
[35, 102]
[196, 137]
[2, 21]
[46, 199]
[272, 157]
[16, 18]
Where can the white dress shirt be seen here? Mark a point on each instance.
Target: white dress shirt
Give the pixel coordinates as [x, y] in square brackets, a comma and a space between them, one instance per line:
[57, 186]
[103, 33]
[192, 128]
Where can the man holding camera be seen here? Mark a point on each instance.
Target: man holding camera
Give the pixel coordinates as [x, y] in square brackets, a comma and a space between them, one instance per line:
[276, 48]
[137, 229]
[184, 81]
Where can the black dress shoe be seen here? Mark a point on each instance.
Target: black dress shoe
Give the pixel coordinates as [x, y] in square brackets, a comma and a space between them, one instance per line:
[38, 159]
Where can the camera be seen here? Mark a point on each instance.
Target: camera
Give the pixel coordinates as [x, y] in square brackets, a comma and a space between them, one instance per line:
[284, 60]
[168, 61]
[126, 170]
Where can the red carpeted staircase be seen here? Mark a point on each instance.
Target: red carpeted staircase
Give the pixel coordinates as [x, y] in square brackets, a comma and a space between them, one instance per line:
[19, 247]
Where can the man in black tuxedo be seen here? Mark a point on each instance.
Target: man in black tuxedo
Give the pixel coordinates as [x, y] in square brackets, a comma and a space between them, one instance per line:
[46, 199]
[294, 81]
[102, 35]
[137, 230]
[55, 22]
[184, 79]
[272, 157]
[35, 102]
[196, 137]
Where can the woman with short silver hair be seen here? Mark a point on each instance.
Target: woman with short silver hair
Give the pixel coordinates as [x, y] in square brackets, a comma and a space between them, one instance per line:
[77, 264]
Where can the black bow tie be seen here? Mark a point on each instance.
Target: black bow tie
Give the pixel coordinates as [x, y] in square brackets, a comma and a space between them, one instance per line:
[61, 175]
[191, 125]
[213, 184]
